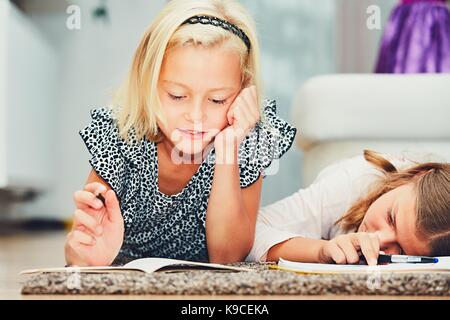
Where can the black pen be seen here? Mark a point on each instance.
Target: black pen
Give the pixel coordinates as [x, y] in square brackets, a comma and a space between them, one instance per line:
[396, 258]
[102, 198]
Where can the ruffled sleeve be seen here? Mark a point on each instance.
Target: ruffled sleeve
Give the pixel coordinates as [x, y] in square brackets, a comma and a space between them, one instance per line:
[268, 141]
[102, 139]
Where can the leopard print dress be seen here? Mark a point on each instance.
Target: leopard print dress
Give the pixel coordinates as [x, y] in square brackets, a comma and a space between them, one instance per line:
[172, 226]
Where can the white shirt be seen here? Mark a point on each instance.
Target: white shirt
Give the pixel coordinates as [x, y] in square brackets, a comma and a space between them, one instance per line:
[313, 211]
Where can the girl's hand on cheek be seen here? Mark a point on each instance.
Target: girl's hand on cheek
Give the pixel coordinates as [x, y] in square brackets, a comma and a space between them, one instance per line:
[242, 118]
[347, 248]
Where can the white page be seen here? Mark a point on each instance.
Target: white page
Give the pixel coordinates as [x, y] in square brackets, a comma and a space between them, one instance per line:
[75, 269]
[145, 265]
[154, 264]
[442, 265]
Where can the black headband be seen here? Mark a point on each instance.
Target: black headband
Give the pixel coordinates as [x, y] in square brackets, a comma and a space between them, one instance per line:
[220, 23]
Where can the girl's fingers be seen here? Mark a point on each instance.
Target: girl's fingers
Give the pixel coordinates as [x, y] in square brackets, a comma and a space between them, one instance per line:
[80, 237]
[82, 218]
[230, 115]
[241, 118]
[366, 249]
[251, 119]
[95, 187]
[87, 198]
[250, 99]
[374, 242]
[369, 249]
[113, 207]
[336, 253]
[348, 247]
[85, 230]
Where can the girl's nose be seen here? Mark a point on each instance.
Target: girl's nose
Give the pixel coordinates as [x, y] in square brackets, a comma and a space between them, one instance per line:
[196, 114]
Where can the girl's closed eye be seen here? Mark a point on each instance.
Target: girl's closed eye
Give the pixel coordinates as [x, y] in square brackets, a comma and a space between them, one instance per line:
[175, 97]
[179, 97]
[218, 101]
[390, 218]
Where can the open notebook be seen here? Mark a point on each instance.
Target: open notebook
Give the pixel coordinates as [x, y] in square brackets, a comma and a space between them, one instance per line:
[144, 265]
[443, 265]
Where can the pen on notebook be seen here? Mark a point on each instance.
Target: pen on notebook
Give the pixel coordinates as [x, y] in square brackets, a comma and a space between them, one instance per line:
[395, 258]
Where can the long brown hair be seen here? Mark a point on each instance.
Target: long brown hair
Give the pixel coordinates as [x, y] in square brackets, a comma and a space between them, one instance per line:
[432, 186]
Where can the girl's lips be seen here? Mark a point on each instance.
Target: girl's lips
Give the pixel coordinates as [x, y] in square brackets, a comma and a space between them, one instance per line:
[192, 134]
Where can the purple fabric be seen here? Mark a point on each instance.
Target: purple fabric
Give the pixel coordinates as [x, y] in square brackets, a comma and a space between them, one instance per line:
[416, 39]
[412, 1]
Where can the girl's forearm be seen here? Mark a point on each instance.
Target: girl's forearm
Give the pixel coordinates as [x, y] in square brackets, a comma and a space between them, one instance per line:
[228, 229]
[297, 249]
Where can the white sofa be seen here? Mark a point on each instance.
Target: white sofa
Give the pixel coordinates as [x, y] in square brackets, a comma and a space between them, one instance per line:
[339, 116]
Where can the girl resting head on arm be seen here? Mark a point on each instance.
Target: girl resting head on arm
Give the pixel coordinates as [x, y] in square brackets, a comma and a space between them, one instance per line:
[409, 210]
[359, 207]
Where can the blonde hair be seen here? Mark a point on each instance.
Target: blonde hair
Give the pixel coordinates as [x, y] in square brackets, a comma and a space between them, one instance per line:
[137, 105]
[432, 187]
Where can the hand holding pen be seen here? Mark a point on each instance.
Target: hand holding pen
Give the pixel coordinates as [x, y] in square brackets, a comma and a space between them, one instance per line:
[98, 227]
[347, 248]
[362, 248]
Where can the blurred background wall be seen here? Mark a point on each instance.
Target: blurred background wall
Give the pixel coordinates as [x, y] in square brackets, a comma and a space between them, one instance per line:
[300, 39]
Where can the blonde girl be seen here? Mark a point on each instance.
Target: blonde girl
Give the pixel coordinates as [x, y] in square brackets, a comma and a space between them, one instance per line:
[179, 159]
[358, 207]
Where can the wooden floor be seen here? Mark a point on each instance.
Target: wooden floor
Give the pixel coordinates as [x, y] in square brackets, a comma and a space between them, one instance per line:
[22, 252]
[47, 250]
